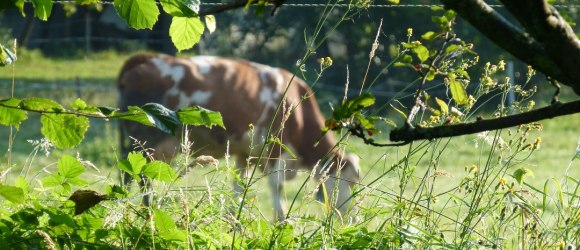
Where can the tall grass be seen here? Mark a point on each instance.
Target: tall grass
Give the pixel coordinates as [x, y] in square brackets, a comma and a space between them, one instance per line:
[503, 189]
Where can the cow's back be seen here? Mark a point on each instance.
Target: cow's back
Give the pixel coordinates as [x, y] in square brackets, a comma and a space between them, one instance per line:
[243, 92]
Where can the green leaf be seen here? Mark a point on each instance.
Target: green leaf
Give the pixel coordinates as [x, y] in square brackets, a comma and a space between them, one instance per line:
[442, 105]
[69, 167]
[64, 130]
[41, 104]
[422, 52]
[163, 221]
[10, 115]
[399, 111]
[137, 162]
[163, 118]
[18, 4]
[185, 32]
[210, 23]
[458, 92]
[135, 114]
[42, 9]
[278, 142]
[198, 116]
[158, 170]
[52, 180]
[521, 173]
[406, 59]
[139, 14]
[7, 57]
[125, 165]
[181, 8]
[431, 74]
[78, 104]
[11, 193]
[360, 102]
[429, 35]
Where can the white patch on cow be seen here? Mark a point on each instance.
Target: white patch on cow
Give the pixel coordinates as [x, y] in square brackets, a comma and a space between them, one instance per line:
[176, 72]
[268, 96]
[204, 63]
[200, 97]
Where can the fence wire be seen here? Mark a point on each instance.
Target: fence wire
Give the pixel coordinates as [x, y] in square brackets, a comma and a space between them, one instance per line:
[322, 5]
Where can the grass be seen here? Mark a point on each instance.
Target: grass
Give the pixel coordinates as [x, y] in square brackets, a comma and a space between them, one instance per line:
[413, 198]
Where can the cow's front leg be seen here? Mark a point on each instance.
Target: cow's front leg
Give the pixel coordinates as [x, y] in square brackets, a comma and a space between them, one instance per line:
[239, 183]
[276, 182]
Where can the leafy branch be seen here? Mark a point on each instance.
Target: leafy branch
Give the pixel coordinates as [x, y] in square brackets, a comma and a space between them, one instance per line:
[66, 128]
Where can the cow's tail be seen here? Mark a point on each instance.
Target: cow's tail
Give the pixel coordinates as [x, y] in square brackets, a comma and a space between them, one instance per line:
[124, 142]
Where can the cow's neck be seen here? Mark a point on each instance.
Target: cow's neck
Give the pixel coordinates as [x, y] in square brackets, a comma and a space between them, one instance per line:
[311, 146]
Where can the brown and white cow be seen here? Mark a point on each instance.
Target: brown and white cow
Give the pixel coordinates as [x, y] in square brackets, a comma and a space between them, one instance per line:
[244, 93]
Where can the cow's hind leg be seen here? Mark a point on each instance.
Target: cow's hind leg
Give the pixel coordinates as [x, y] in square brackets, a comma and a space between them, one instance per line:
[276, 178]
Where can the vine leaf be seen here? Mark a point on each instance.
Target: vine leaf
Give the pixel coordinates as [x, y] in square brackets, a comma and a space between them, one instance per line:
[139, 14]
[185, 32]
[85, 199]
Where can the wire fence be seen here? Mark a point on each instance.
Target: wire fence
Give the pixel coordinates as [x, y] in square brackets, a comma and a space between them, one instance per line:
[322, 4]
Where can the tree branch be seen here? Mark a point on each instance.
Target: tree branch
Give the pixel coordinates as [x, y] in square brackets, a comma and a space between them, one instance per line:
[546, 25]
[238, 4]
[419, 133]
[512, 39]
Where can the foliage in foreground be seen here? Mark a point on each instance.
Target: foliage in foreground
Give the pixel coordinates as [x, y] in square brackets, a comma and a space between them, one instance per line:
[491, 205]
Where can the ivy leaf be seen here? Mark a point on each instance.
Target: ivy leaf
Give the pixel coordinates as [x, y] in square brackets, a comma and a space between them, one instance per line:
[521, 173]
[185, 32]
[158, 170]
[198, 116]
[163, 118]
[42, 9]
[10, 115]
[458, 92]
[181, 8]
[139, 14]
[64, 130]
[11, 193]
